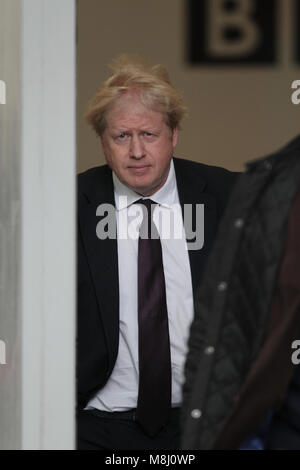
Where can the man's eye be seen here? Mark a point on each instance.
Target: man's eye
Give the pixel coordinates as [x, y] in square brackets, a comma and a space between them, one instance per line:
[121, 137]
[148, 134]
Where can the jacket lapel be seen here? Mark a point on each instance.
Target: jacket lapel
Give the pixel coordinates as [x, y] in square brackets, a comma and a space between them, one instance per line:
[102, 257]
[192, 190]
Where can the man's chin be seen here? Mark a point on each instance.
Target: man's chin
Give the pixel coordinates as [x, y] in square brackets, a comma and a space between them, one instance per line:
[142, 186]
[144, 189]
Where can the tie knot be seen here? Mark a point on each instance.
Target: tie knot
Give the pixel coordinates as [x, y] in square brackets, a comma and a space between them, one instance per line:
[148, 204]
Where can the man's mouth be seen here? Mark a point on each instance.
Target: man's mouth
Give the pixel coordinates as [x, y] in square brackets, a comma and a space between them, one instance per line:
[139, 168]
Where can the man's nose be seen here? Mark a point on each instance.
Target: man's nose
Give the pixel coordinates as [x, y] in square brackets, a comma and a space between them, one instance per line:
[137, 149]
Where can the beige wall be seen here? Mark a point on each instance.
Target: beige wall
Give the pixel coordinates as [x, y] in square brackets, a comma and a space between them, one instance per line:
[235, 113]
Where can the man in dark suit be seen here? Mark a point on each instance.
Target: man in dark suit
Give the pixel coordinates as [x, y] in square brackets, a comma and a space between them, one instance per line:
[136, 290]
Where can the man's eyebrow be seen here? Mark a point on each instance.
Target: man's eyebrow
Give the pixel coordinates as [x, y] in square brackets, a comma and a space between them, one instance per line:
[118, 130]
[154, 130]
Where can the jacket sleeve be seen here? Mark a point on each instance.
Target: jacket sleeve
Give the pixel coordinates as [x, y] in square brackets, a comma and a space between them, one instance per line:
[284, 431]
[285, 427]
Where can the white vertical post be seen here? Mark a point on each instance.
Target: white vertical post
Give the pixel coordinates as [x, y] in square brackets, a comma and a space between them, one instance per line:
[48, 240]
[38, 391]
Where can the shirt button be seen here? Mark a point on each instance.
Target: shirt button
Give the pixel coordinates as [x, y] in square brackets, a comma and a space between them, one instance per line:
[196, 414]
[238, 223]
[209, 350]
[222, 286]
[268, 166]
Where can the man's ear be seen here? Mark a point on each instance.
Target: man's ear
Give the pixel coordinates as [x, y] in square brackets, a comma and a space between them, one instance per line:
[175, 136]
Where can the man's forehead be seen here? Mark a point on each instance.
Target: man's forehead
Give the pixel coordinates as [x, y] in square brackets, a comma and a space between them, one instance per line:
[131, 112]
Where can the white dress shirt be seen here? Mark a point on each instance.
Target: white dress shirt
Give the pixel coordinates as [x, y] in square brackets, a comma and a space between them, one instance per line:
[121, 390]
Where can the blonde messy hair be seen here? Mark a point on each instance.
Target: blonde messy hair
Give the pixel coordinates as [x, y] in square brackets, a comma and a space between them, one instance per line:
[131, 73]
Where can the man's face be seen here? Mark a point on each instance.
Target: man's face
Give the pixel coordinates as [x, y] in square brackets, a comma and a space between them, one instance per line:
[138, 144]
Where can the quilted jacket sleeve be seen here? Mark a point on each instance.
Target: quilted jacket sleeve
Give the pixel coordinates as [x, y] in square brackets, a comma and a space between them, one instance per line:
[284, 432]
[285, 427]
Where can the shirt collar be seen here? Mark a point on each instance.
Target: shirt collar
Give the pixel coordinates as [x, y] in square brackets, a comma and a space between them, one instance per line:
[165, 196]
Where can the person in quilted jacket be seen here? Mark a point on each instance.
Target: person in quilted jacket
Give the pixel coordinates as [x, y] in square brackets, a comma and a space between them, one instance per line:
[242, 373]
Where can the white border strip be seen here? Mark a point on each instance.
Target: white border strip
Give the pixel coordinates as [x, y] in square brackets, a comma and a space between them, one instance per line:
[48, 224]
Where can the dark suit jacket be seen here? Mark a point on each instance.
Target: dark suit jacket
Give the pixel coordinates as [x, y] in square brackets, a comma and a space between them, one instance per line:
[98, 284]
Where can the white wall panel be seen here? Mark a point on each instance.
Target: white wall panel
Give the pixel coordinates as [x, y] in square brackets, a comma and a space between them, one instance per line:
[38, 148]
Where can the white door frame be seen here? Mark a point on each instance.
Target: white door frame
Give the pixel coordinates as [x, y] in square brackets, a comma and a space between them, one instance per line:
[41, 344]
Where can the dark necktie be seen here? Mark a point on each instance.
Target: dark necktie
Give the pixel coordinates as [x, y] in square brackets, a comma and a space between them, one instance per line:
[154, 396]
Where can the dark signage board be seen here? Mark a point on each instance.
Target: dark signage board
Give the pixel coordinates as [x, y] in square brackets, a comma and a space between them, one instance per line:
[232, 31]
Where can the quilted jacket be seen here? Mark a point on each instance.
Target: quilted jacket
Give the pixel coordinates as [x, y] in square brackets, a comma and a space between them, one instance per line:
[232, 305]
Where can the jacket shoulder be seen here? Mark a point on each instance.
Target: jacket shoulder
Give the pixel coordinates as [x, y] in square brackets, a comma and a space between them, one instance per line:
[92, 176]
[95, 184]
[217, 180]
[286, 156]
[209, 172]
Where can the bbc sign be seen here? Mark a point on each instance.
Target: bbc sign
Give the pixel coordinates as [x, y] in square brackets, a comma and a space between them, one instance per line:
[233, 31]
